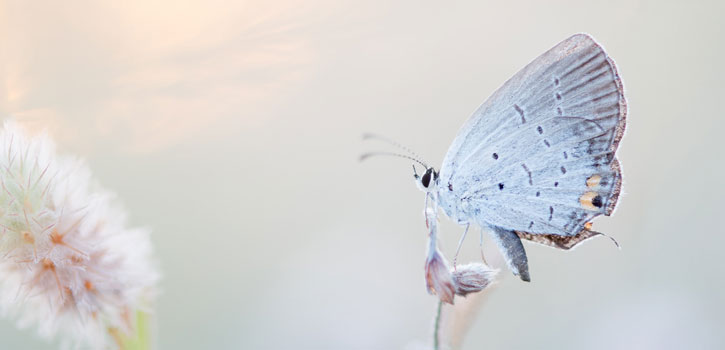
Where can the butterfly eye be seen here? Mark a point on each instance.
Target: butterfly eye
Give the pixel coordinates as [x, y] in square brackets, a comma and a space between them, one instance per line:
[425, 180]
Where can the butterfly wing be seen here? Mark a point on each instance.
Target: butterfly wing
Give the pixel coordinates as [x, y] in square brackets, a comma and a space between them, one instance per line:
[538, 155]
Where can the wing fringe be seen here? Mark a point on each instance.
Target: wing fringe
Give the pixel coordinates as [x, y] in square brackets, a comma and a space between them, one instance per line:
[558, 241]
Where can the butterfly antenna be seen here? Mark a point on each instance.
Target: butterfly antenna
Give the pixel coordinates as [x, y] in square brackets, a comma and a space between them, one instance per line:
[371, 154]
[413, 155]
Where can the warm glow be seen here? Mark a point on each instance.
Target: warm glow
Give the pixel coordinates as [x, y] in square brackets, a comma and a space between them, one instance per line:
[148, 76]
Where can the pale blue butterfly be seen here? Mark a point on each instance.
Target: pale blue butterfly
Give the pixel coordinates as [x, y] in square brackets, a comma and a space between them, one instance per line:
[537, 159]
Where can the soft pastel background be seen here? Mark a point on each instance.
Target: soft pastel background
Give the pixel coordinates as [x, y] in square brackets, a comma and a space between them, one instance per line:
[233, 131]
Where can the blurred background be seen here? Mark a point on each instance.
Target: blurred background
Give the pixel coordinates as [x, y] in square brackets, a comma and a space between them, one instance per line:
[233, 131]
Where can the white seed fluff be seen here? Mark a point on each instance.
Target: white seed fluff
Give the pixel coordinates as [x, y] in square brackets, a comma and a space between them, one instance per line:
[68, 264]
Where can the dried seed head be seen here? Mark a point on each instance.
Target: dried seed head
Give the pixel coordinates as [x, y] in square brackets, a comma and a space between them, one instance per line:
[438, 278]
[472, 278]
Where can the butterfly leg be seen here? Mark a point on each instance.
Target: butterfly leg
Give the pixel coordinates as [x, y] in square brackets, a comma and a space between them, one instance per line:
[460, 243]
[513, 251]
[480, 245]
[425, 209]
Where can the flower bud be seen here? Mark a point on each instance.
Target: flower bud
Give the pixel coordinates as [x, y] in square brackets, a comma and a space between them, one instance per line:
[438, 278]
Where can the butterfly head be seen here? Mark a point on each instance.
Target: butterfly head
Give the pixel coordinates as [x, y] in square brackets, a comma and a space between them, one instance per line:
[428, 181]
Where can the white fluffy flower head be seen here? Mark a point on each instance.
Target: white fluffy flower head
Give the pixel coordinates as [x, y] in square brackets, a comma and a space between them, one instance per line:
[68, 264]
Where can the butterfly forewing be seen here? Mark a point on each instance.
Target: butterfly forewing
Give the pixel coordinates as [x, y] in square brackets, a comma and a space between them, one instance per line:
[538, 155]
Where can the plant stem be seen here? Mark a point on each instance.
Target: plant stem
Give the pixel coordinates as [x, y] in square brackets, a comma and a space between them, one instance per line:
[436, 326]
[141, 340]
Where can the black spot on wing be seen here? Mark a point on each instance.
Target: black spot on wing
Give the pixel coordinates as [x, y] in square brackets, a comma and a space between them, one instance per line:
[521, 113]
[528, 172]
[551, 212]
[597, 201]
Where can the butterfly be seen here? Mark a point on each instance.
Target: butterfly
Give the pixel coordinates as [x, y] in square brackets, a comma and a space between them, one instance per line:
[536, 161]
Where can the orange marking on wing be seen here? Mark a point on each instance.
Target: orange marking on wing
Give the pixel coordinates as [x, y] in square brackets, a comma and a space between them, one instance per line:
[587, 200]
[593, 181]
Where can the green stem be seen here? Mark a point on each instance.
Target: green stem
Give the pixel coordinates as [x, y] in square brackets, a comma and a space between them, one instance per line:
[436, 326]
[141, 340]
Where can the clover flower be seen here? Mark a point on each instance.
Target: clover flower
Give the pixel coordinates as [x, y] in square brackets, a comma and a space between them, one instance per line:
[68, 264]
